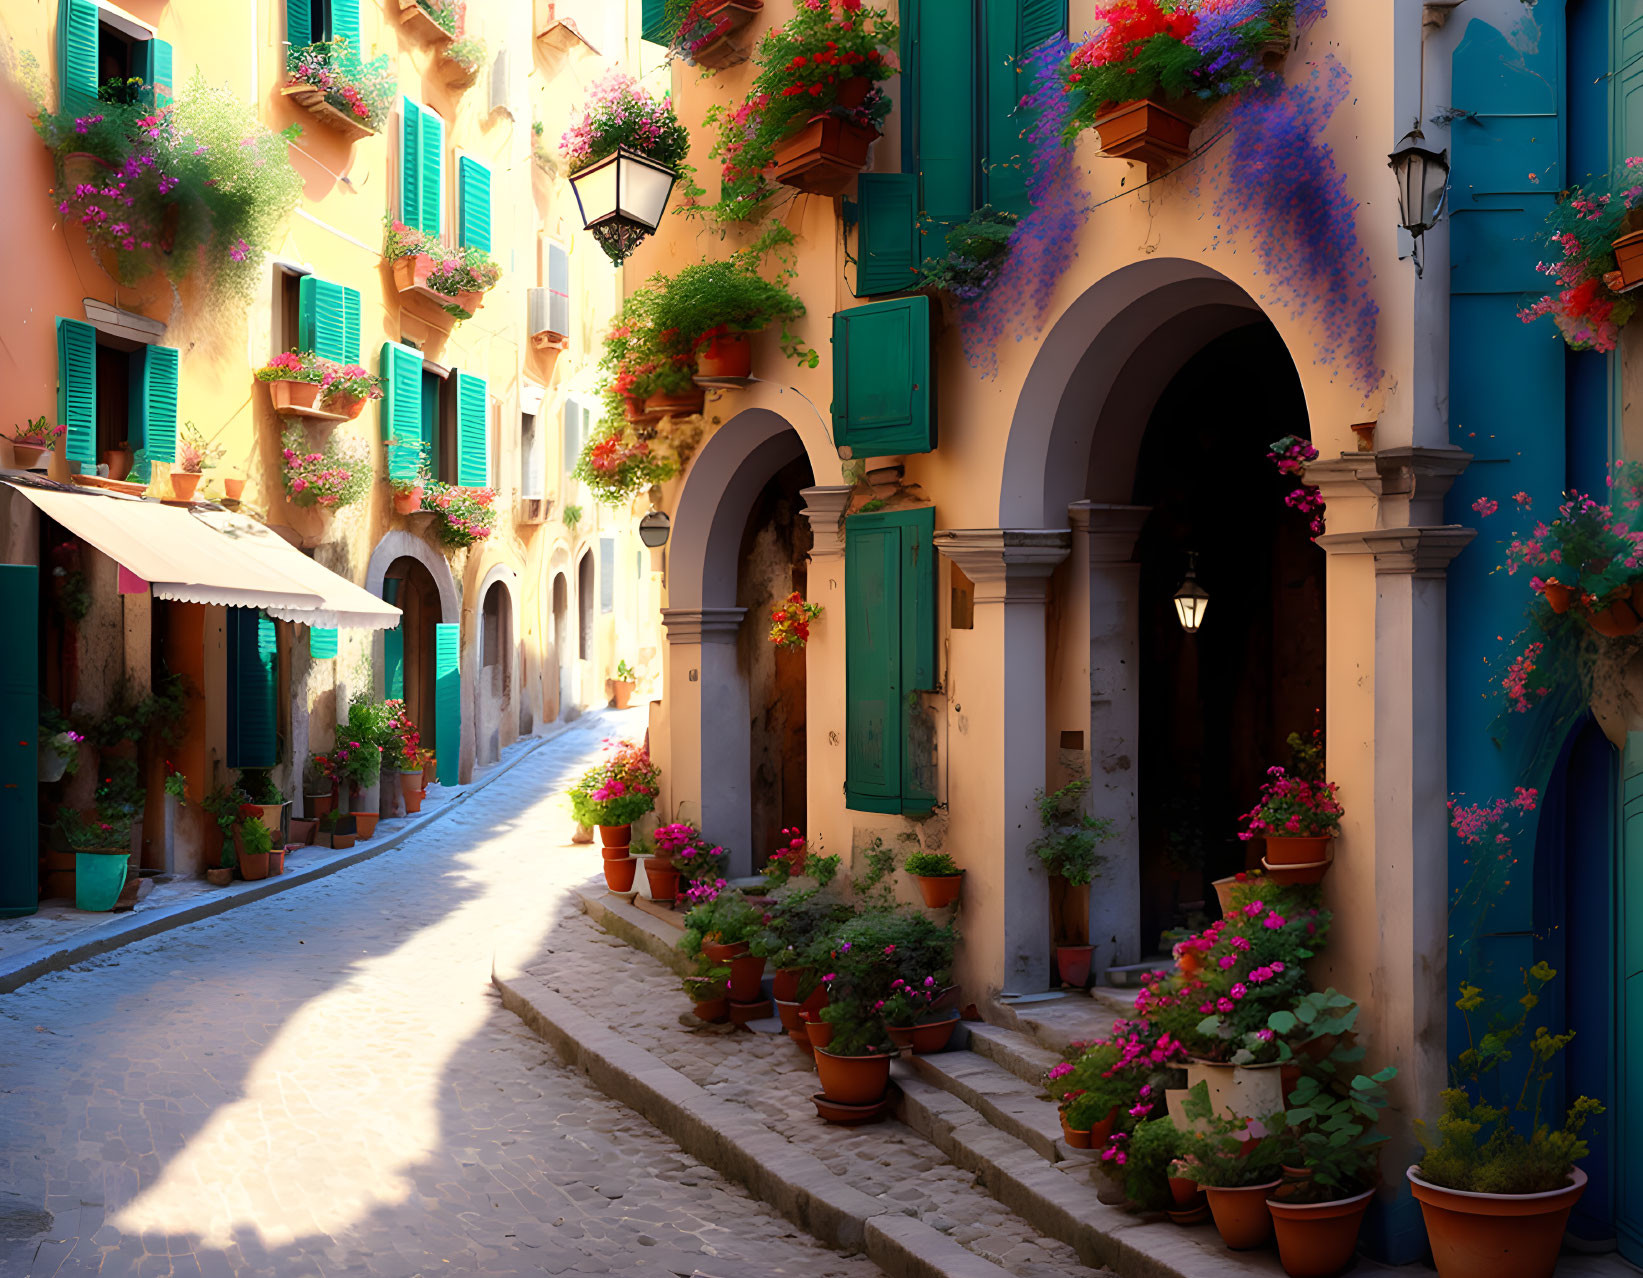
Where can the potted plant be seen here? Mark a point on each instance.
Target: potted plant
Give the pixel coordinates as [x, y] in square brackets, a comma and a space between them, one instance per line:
[454, 279]
[1596, 258]
[259, 791]
[336, 830]
[334, 84]
[194, 454]
[911, 1019]
[468, 56]
[615, 464]
[1238, 1162]
[720, 304]
[33, 440]
[1090, 1089]
[58, 752]
[407, 492]
[222, 804]
[1297, 818]
[252, 843]
[101, 843]
[1317, 1215]
[719, 928]
[1142, 1160]
[435, 20]
[1067, 849]
[1582, 563]
[331, 478]
[402, 754]
[938, 877]
[462, 516]
[318, 793]
[615, 793]
[1496, 1183]
[358, 764]
[622, 686]
[708, 994]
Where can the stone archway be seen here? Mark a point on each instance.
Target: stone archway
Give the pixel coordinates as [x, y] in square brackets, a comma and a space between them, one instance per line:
[709, 709]
[496, 686]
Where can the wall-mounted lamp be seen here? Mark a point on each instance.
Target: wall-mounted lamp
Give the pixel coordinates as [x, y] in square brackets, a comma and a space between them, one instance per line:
[1191, 600]
[654, 529]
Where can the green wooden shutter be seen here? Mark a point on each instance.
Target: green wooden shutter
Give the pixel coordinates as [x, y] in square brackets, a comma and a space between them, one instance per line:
[431, 161]
[887, 239]
[1014, 28]
[448, 701]
[19, 743]
[77, 389]
[918, 648]
[157, 71]
[410, 163]
[77, 56]
[472, 435]
[941, 125]
[299, 31]
[401, 408]
[350, 325]
[322, 642]
[253, 679]
[154, 403]
[393, 648]
[653, 23]
[345, 21]
[882, 394]
[474, 195]
[872, 665]
[1628, 1040]
[328, 319]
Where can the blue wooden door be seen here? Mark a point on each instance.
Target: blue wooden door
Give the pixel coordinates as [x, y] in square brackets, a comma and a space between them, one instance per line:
[19, 730]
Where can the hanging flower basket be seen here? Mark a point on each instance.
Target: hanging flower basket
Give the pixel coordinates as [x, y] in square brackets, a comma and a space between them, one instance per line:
[1145, 131]
[707, 37]
[419, 19]
[623, 156]
[824, 156]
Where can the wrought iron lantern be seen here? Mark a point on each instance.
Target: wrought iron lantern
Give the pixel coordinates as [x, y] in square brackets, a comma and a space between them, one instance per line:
[622, 198]
[1191, 600]
[1423, 183]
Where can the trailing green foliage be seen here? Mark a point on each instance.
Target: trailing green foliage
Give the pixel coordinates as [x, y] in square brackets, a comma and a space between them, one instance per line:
[1071, 835]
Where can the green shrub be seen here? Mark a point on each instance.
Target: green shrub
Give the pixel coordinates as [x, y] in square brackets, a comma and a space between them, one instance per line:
[934, 865]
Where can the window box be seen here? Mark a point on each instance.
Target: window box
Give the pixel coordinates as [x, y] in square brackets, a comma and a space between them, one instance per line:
[1147, 131]
[825, 156]
[130, 487]
[312, 100]
[711, 42]
[302, 399]
[420, 23]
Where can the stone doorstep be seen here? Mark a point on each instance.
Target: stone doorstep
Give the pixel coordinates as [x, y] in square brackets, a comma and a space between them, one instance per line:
[1015, 1052]
[1015, 1107]
[726, 1138]
[1054, 1022]
[664, 914]
[638, 927]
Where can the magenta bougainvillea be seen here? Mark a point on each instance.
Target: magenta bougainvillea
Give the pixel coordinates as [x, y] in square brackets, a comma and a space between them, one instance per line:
[1291, 455]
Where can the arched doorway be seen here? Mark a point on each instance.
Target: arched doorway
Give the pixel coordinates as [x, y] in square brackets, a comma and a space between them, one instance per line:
[420, 660]
[735, 706]
[494, 688]
[409, 666]
[562, 706]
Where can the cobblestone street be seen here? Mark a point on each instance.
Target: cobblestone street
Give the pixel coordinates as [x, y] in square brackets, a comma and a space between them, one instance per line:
[324, 1082]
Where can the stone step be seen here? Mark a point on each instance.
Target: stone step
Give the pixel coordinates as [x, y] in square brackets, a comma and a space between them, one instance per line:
[1014, 1106]
[1054, 1021]
[1014, 1051]
[1121, 1002]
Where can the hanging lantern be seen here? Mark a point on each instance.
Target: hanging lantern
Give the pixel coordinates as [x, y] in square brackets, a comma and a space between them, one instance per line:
[654, 529]
[622, 198]
[1423, 183]
[1191, 600]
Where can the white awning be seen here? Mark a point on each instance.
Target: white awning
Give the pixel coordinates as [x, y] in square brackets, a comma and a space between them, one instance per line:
[212, 557]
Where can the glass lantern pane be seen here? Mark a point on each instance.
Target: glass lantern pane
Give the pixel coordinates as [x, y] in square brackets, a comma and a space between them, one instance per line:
[644, 192]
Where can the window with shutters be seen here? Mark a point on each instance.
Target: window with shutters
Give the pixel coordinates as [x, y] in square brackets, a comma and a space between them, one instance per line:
[115, 396]
[883, 392]
[573, 433]
[473, 203]
[253, 688]
[421, 168]
[963, 128]
[890, 657]
[100, 51]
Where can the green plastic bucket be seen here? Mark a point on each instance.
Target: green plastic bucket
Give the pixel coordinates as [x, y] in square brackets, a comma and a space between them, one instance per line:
[98, 878]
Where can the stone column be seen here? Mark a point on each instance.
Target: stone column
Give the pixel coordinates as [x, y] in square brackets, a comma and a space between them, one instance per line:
[829, 824]
[1104, 540]
[709, 718]
[998, 761]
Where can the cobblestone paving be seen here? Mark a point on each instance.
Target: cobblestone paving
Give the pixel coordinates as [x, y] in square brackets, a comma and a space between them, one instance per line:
[324, 1083]
[640, 998]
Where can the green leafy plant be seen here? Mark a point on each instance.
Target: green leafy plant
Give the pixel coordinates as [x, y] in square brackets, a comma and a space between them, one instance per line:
[1336, 1133]
[866, 957]
[176, 785]
[933, 865]
[572, 515]
[99, 830]
[1230, 1153]
[976, 250]
[37, 434]
[621, 114]
[709, 300]
[222, 805]
[333, 476]
[468, 53]
[257, 784]
[1480, 1148]
[128, 716]
[1071, 835]
[1143, 1160]
[252, 836]
[363, 91]
[729, 918]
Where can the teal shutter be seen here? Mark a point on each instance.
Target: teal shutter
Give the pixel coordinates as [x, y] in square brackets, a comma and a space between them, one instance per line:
[77, 56]
[322, 642]
[157, 64]
[77, 389]
[393, 648]
[472, 436]
[940, 128]
[474, 195]
[918, 647]
[872, 666]
[401, 408]
[299, 31]
[1015, 28]
[1042, 21]
[410, 164]
[653, 23]
[887, 240]
[154, 403]
[19, 741]
[345, 21]
[1628, 1040]
[882, 401]
[328, 319]
[253, 678]
[448, 701]
[350, 325]
[431, 162]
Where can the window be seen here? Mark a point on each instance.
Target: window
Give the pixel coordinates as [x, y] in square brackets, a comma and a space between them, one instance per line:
[584, 606]
[558, 290]
[113, 393]
[532, 479]
[890, 654]
[473, 204]
[421, 168]
[253, 679]
[312, 21]
[573, 435]
[607, 574]
[328, 319]
[445, 420]
[99, 50]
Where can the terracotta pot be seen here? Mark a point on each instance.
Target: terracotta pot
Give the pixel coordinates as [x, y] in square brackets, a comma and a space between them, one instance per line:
[820, 1033]
[1291, 875]
[784, 984]
[939, 890]
[1241, 1215]
[408, 503]
[303, 830]
[718, 952]
[1146, 131]
[1223, 892]
[27, 456]
[788, 1011]
[219, 876]
[715, 49]
[1495, 1235]
[727, 355]
[619, 874]
[276, 861]
[252, 865]
[742, 1013]
[413, 271]
[295, 396]
[663, 880]
[1099, 1132]
[801, 1040]
[623, 690]
[687, 404]
[816, 1001]
[1319, 1240]
[853, 1080]
[713, 1010]
[318, 805]
[118, 461]
[746, 975]
[824, 156]
[1244, 1091]
[365, 824]
[1078, 1139]
[1189, 961]
[82, 168]
[615, 836]
[233, 488]
[1072, 964]
[184, 484]
[1628, 258]
[614, 854]
[634, 407]
[410, 790]
[470, 300]
[1290, 850]
[1184, 1192]
[1557, 594]
[1617, 620]
[925, 1038]
[348, 406]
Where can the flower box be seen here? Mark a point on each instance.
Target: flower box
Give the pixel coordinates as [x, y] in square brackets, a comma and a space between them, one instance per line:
[716, 47]
[27, 456]
[1628, 257]
[686, 404]
[130, 487]
[300, 399]
[411, 278]
[729, 355]
[408, 502]
[1147, 131]
[415, 19]
[823, 157]
[312, 100]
